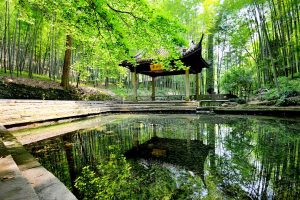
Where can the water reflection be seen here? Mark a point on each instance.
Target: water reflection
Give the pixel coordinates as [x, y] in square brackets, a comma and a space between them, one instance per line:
[188, 154]
[236, 157]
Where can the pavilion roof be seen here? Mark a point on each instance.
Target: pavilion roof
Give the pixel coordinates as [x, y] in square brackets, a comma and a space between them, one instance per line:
[173, 151]
[192, 58]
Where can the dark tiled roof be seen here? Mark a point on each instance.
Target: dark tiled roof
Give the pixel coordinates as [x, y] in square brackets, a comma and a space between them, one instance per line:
[191, 58]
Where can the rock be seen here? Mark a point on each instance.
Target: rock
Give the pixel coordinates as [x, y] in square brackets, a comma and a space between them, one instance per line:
[290, 101]
[229, 104]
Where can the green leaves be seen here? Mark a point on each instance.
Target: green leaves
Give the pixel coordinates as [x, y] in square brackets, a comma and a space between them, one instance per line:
[110, 29]
[117, 178]
[237, 80]
[109, 180]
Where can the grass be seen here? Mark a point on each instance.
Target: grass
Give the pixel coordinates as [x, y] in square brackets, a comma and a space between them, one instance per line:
[25, 74]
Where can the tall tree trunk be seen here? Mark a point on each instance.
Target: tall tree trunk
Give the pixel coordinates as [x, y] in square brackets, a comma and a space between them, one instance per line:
[30, 69]
[106, 83]
[265, 33]
[18, 48]
[8, 40]
[67, 63]
[47, 53]
[26, 47]
[78, 79]
[4, 40]
[39, 71]
[13, 51]
[210, 70]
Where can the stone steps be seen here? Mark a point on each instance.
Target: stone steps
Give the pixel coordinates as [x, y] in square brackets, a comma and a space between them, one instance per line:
[20, 112]
[13, 185]
[23, 178]
[205, 110]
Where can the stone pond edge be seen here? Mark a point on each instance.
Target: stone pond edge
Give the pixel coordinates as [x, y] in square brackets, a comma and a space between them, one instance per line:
[47, 186]
[36, 181]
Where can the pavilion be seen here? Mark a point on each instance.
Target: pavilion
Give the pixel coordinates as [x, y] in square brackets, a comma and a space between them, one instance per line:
[192, 59]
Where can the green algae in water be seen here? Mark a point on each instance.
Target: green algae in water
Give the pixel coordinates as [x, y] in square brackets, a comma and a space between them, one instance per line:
[182, 157]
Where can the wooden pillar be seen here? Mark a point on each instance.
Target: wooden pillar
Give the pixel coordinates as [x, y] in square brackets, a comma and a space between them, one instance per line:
[134, 83]
[153, 89]
[197, 86]
[187, 84]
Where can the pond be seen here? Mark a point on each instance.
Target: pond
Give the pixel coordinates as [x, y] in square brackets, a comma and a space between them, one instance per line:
[178, 157]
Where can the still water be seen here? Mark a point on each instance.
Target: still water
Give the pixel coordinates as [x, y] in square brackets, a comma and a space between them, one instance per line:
[179, 157]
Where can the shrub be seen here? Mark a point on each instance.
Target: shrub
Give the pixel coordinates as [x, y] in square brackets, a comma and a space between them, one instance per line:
[240, 101]
[237, 80]
[288, 88]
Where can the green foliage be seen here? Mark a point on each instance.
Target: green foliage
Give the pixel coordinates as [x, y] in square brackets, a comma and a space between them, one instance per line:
[117, 178]
[109, 181]
[180, 65]
[108, 31]
[104, 33]
[289, 88]
[237, 80]
[121, 91]
[271, 94]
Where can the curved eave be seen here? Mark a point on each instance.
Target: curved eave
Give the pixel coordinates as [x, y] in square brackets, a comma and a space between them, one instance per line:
[192, 59]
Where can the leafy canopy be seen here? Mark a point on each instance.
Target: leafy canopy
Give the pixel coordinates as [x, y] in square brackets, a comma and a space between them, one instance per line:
[119, 27]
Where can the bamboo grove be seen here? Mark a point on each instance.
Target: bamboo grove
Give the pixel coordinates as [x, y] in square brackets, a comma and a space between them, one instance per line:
[251, 44]
[263, 35]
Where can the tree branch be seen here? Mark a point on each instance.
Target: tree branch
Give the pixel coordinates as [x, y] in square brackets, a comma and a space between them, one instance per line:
[125, 12]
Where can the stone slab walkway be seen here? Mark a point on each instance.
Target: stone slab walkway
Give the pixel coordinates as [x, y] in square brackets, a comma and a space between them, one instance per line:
[20, 112]
[13, 185]
[22, 177]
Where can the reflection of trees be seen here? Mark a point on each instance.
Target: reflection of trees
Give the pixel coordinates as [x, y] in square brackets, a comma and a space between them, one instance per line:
[70, 160]
[211, 140]
[260, 160]
[228, 162]
[251, 158]
[278, 152]
[52, 156]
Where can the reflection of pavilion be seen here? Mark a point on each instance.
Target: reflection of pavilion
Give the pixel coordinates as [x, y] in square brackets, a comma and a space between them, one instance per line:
[189, 154]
